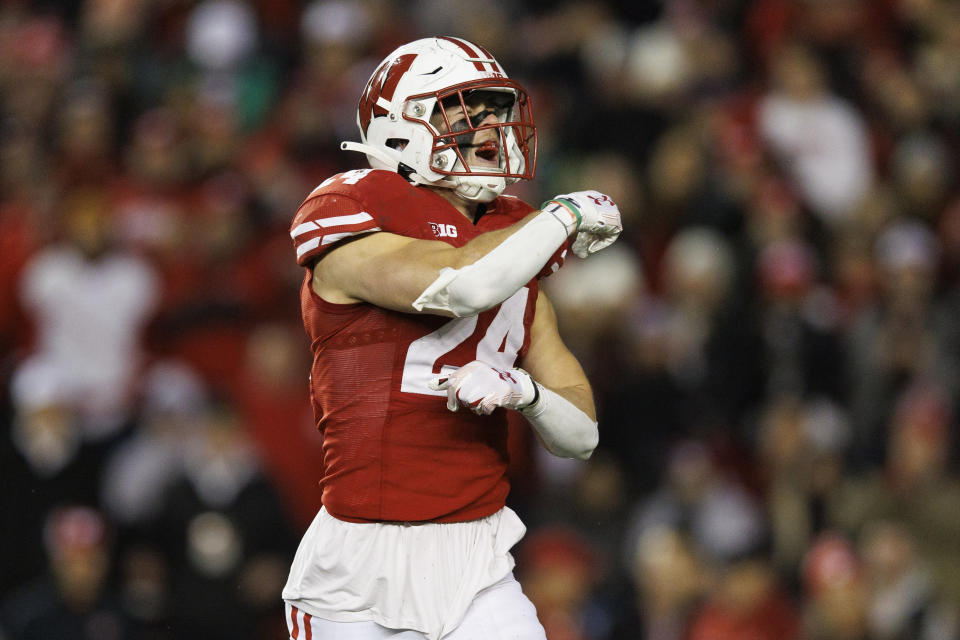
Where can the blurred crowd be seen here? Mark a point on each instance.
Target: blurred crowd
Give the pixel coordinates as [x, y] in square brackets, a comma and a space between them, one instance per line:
[773, 342]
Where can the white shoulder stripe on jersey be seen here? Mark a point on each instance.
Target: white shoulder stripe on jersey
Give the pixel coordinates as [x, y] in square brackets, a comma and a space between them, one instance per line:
[301, 229]
[333, 237]
[354, 218]
[307, 246]
[313, 243]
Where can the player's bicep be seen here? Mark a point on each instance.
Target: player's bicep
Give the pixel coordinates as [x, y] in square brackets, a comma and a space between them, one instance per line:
[381, 268]
[550, 362]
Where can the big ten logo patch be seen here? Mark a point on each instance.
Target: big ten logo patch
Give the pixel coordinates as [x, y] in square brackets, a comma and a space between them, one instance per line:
[443, 230]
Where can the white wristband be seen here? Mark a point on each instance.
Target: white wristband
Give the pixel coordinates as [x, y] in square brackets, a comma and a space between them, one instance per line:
[565, 430]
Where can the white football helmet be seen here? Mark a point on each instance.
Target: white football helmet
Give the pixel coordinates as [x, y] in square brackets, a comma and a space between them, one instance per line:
[425, 91]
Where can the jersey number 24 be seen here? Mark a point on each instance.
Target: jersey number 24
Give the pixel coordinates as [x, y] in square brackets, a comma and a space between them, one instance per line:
[506, 331]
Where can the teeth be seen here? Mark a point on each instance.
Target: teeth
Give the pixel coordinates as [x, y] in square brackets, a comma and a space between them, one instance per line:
[488, 150]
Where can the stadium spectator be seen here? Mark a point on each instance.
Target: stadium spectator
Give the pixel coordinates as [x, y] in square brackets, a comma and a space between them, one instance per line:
[836, 603]
[224, 533]
[821, 139]
[671, 582]
[914, 486]
[90, 301]
[74, 599]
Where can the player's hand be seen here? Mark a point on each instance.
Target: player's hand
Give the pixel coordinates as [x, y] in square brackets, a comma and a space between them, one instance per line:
[482, 388]
[596, 215]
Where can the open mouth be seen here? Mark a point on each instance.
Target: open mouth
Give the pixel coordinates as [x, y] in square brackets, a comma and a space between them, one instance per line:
[489, 151]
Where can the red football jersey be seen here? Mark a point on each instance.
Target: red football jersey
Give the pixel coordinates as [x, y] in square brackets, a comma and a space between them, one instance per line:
[392, 450]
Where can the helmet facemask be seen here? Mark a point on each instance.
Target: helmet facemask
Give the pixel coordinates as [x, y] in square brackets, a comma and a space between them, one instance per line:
[493, 141]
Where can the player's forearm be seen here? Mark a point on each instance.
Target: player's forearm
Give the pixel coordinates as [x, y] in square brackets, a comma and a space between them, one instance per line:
[486, 242]
[491, 268]
[564, 420]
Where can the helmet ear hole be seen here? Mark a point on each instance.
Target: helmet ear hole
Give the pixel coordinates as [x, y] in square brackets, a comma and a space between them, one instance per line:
[397, 143]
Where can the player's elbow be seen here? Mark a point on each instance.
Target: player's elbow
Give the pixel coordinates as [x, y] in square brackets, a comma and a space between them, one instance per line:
[564, 429]
[577, 445]
[462, 292]
[468, 297]
[587, 445]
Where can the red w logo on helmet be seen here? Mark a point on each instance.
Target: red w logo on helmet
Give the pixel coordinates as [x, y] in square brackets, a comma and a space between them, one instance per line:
[382, 84]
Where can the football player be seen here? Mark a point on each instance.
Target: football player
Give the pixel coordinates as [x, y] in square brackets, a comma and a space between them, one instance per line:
[421, 302]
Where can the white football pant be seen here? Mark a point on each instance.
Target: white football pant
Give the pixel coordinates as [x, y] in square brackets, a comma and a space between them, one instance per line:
[500, 612]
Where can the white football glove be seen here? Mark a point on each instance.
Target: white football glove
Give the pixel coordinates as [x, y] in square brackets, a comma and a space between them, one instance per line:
[482, 388]
[596, 216]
